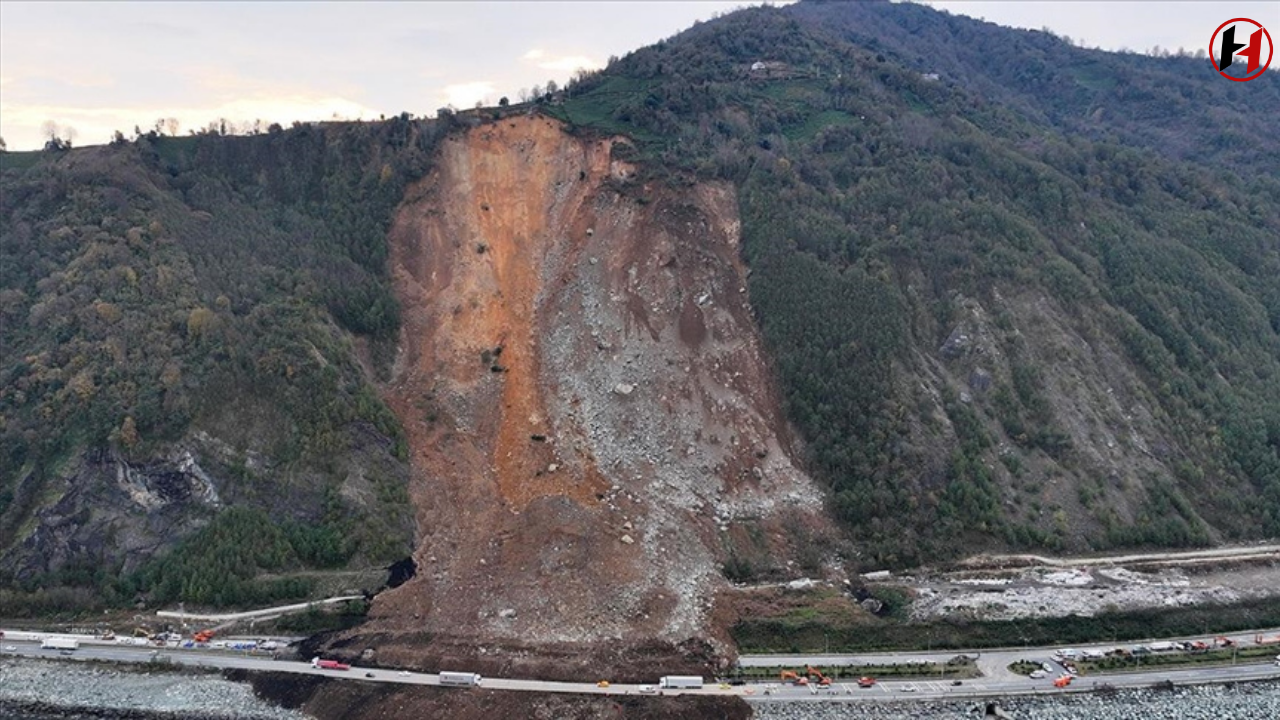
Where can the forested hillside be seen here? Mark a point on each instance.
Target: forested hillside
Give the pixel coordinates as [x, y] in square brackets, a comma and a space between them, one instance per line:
[184, 321]
[1005, 305]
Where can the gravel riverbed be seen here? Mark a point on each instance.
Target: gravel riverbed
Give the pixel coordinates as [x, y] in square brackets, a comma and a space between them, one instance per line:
[65, 690]
[1249, 701]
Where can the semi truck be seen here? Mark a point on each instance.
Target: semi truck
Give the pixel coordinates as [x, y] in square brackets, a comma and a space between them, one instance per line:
[328, 664]
[459, 679]
[59, 643]
[680, 682]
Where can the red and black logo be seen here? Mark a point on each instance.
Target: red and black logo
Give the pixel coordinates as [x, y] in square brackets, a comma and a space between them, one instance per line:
[1240, 39]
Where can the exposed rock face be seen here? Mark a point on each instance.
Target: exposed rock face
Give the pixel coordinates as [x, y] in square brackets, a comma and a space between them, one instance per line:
[116, 512]
[603, 330]
[112, 510]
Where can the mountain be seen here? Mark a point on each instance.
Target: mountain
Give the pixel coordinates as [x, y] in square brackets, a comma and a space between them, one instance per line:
[797, 292]
[997, 316]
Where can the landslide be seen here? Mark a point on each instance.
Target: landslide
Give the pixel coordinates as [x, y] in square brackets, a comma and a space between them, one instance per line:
[591, 423]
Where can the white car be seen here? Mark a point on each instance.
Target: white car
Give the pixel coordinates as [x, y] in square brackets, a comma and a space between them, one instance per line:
[1037, 674]
[647, 689]
[10, 648]
[907, 688]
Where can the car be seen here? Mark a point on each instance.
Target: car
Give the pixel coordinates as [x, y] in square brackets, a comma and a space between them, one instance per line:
[741, 681]
[1037, 674]
[956, 682]
[65, 652]
[907, 688]
[368, 674]
[648, 689]
[403, 673]
[602, 684]
[10, 648]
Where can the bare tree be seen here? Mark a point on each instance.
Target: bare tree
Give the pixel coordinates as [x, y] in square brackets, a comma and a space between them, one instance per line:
[172, 125]
[552, 87]
[49, 129]
[4, 147]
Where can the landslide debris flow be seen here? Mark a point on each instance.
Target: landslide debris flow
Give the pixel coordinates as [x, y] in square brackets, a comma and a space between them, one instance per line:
[592, 425]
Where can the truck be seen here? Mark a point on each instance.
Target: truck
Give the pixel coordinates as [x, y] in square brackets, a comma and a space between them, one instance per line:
[59, 643]
[328, 664]
[680, 682]
[459, 679]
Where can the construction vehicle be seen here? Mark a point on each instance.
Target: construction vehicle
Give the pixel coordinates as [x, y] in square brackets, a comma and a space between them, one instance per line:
[1221, 641]
[1062, 682]
[815, 676]
[203, 636]
[328, 664]
[794, 678]
[1260, 640]
[866, 682]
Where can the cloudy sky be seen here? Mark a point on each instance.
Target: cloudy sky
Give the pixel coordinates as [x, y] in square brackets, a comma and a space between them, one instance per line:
[102, 66]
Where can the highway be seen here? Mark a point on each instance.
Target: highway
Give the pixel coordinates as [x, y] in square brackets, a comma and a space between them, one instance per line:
[766, 692]
[993, 663]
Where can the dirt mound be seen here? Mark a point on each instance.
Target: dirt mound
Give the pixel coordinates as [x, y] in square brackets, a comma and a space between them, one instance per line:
[590, 416]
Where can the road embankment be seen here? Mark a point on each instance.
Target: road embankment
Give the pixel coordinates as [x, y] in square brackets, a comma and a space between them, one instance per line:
[54, 690]
[1242, 701]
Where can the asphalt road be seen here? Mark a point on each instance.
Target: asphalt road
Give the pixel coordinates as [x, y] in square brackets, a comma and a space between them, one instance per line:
[993, 663]
[886, 690]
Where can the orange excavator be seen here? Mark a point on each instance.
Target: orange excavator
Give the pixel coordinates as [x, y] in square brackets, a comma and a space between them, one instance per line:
[789, 676]
[1221, 641]
[816, 676]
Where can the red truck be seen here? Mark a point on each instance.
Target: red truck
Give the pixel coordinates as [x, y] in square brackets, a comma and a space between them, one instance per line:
[328, 664]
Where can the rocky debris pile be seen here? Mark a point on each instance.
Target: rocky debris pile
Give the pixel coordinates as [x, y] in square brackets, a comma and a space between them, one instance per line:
[34, 688]
[1042, 592]
[1251, 701]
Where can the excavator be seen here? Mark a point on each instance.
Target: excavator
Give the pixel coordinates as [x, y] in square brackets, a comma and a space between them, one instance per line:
[203, 636]
[1221, 641]
[816, 676]
[789, 676]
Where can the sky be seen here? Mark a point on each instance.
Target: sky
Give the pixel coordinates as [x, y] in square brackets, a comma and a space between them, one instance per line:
[92, 68]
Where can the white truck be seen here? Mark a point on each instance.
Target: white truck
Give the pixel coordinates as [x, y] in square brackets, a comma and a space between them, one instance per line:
[459, 679]
[59, 643]
[680, 682]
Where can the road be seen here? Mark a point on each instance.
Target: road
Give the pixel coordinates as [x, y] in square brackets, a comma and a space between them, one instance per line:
[768, 692]
[254, 614]
[1243, 552]
[993, 663]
